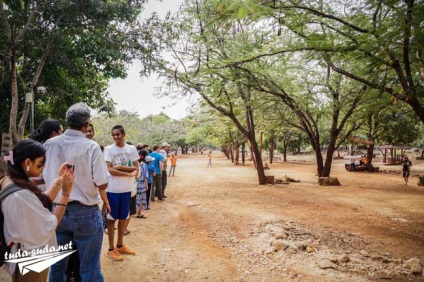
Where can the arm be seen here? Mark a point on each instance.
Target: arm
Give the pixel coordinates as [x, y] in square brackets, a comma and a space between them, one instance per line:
[67, 186]
[113, 171]
[137, 167]
[64, 177]
[146, 175]
[102, 192]
[125, 168]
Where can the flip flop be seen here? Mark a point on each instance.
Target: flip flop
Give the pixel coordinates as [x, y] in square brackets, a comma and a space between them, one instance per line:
[141, 216]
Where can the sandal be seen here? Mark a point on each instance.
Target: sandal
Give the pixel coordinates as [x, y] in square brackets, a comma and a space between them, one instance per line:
[141, 216]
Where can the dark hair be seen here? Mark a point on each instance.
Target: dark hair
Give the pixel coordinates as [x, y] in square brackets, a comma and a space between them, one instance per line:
[91, 125]
[118, 127]
[46, 129]
[142, 154]
[155, 147]
[78, 115]
[27, 149]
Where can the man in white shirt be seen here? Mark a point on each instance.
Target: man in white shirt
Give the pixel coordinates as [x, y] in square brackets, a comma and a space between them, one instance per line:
[122, 164]
[82, 222]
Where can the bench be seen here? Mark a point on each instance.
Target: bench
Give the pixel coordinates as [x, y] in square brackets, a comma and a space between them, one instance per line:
[363, 168]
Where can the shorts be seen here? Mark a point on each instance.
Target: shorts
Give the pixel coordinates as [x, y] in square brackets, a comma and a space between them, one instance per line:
[406, 174]
[133, 206]
[119, 205]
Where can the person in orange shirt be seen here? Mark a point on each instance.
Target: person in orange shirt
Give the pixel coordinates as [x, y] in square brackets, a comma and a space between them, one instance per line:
[210, 159]
[173, 160]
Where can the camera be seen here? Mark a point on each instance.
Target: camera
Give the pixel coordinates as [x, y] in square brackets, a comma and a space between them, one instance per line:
[71, 167]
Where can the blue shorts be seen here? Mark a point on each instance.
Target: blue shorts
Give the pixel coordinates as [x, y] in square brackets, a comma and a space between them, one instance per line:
[119, 205]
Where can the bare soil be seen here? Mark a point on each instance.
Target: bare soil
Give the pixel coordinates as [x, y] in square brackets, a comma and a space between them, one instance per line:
[217, 224]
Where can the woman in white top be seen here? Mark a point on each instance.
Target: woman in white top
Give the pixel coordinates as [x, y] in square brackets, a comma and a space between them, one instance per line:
[28, 220]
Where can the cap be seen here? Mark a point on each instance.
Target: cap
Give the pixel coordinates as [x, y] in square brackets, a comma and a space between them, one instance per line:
[149, 159]
[164, 144]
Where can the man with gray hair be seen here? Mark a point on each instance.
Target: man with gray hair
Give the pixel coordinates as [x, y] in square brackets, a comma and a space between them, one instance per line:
[82, 223]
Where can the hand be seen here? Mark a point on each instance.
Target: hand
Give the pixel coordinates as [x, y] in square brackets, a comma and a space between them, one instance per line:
[106, 208]
[67, 181]
[63, 168]
[118, 167]
[134, 173]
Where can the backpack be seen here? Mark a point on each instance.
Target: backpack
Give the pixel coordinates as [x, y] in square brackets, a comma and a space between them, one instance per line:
[8, 190]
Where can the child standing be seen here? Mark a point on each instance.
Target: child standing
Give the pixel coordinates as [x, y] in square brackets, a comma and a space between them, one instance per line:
[210, 159]
[173, 160]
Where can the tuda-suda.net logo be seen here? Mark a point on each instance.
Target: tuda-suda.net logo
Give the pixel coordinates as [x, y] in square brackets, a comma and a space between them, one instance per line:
[38, 260]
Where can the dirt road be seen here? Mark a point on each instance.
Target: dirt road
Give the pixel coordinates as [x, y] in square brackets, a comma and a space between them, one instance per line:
[217, 224]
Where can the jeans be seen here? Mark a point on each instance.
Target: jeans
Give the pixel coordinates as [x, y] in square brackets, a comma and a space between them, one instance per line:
[352, 167]
[82, 225]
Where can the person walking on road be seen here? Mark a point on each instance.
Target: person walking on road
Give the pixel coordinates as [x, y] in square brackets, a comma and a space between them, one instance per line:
[406, 168]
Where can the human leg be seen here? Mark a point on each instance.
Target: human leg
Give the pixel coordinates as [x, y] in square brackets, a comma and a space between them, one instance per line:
[88, 237]
[153, 190]
[111, 233]
[148, 194]
[164, 182]
[158, 186]
[63, 236]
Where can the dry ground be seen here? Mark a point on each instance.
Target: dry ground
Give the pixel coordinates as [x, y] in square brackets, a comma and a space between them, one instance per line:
[217, 224]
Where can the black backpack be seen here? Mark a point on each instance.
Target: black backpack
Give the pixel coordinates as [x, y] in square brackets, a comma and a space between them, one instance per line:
[9, 189]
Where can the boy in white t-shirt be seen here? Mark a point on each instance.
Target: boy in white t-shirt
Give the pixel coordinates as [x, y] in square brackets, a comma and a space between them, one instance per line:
[122, 164]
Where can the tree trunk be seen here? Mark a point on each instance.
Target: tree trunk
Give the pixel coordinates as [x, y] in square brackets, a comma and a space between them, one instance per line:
[329, 156]
[232, 153]
[236, 153]
[261, 139]
[320, 161]
[271, 148]
[259, 165]
[226, 151]
[285, 145]
[14, 95]
[243, 150]
[370, 151]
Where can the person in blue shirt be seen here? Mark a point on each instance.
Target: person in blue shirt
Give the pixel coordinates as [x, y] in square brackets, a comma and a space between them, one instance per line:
[157, 178]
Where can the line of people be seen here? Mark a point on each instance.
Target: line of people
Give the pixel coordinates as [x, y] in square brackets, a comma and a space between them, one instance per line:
[78, 177]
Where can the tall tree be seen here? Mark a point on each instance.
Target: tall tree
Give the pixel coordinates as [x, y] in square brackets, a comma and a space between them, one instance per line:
[386, 37]
[73, 40]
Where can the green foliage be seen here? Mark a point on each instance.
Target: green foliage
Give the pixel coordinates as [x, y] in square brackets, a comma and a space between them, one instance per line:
[398, 127]
[86, 43]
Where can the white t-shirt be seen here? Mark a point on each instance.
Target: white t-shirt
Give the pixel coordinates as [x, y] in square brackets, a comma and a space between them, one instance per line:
[125, 155]
[28, 222]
